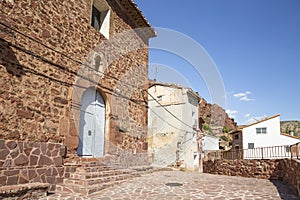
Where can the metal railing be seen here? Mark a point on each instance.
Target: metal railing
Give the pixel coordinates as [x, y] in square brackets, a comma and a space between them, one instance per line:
[275, 152]
[295, 150]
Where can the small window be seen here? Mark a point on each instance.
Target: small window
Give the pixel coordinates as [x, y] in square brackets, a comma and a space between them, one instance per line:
[237, 147]
[250, 145]
[100, 19]
[261, 130]
[159, 97]
[96, 18]
[236, 136]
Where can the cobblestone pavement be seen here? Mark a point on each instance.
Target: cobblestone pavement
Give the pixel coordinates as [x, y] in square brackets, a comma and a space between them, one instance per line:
[194, 186]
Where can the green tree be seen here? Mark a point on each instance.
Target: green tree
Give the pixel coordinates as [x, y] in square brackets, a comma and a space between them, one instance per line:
[223, 137]
[206, 127]
[225, 129]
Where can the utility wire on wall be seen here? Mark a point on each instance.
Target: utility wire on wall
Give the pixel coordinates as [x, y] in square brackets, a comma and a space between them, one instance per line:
[73, 72]
[169, 111]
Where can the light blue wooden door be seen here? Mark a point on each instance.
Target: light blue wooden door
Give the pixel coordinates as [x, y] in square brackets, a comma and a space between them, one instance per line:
[92, 124]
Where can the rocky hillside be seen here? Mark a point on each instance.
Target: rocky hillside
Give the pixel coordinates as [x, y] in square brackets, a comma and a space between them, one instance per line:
[214, 119]
[290, 127]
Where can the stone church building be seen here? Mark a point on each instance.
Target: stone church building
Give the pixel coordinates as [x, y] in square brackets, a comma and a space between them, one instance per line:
[73, 76]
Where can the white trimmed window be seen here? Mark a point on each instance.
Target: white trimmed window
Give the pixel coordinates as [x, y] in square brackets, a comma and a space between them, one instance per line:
[101, 17]
[250, 145]
[236, 136]
[261, 130]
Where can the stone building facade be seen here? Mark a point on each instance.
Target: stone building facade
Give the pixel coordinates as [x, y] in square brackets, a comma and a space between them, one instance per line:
[53, 52]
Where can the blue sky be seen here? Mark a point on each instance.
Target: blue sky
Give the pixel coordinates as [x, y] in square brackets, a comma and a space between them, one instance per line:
[254, 44]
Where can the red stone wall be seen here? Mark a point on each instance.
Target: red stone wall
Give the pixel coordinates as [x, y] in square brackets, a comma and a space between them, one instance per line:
[291, 173]
[247, 168]
[43, 45]
[287, 170]
[29, 162]
[216, 117]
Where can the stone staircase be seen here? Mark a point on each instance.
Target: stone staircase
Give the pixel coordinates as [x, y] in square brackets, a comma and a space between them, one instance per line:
[92, 175]
[24, 191]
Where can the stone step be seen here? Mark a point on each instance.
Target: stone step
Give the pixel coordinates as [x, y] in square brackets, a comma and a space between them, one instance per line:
[97, 168]
[143, 169]
[24, 191]
[89, 175]
[99, 164]
[94, 172]
[93, 162]
[98, 180]
[69, 188]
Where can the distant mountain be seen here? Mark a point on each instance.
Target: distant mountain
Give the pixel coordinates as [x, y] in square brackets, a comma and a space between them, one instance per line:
[290, 127]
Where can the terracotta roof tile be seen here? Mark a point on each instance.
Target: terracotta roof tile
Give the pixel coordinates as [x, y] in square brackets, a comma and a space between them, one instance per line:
[138, 17]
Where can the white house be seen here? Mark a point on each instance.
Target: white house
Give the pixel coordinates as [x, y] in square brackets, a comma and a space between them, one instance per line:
[210, 143]
[264, 133]
[172, 125]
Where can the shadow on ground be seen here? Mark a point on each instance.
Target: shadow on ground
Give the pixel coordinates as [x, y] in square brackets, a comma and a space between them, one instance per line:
[285, 190]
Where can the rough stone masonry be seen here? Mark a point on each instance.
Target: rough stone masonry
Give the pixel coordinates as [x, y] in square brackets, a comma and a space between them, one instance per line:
[286, 170]
[44, 45]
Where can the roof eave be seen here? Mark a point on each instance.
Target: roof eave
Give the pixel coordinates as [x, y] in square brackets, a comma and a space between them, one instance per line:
[139, 19]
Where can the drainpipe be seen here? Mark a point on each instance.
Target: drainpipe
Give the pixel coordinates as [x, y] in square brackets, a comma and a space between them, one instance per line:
[199, 142]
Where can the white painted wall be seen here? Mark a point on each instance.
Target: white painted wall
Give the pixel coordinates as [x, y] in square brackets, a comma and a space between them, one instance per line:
[210, 142]
[169, 139]
[272, 138]
[104, 29]
[103, 7]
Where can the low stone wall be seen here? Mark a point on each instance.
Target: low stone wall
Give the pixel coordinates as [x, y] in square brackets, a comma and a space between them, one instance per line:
[129, 159]
[291, 173]
[29, 162]
[286, 170]
[266, 169]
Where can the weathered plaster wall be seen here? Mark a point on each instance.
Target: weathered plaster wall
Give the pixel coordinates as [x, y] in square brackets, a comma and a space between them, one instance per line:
[39, 62]
[171, 141]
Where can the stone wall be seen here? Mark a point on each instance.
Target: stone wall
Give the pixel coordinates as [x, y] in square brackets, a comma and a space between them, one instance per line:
[291, 173]
[128, 160]
[287, 170]
[29, 162]
[43, 48]
[247, 168]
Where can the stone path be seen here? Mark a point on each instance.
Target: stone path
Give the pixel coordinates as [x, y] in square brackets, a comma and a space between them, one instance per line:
[194, 186]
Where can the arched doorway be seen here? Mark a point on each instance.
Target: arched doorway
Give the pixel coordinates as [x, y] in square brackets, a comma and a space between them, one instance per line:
[92, 124]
